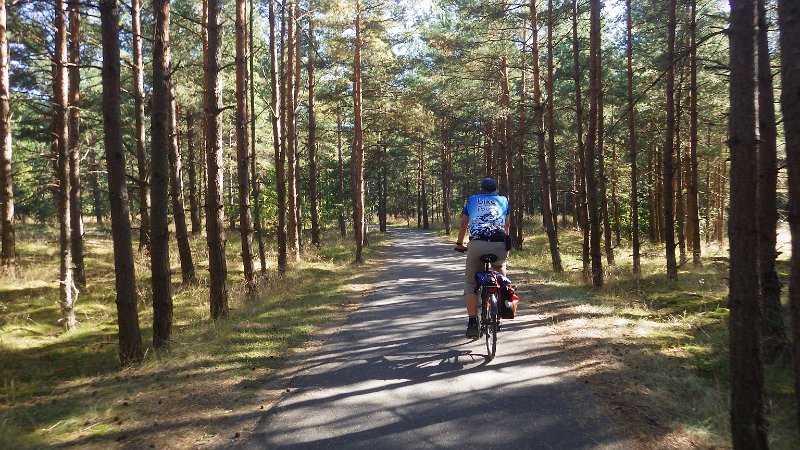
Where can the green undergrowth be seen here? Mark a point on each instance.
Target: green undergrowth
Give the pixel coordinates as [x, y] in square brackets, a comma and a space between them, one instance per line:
[68, 389]
[659, 347]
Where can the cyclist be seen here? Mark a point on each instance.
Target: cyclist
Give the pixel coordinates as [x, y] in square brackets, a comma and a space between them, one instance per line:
[486, 216]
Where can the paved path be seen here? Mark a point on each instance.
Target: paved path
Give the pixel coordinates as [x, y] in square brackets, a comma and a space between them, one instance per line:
[401, 374]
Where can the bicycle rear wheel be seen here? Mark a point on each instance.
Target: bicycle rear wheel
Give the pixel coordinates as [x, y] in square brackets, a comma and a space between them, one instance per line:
[492, 324]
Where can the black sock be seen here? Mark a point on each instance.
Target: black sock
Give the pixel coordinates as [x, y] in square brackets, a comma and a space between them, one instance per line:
[473, 319]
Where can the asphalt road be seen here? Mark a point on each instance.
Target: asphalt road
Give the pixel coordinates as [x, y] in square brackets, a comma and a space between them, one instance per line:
[401, 374]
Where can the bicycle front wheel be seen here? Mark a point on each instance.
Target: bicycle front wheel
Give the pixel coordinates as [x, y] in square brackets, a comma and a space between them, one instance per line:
[492, 325]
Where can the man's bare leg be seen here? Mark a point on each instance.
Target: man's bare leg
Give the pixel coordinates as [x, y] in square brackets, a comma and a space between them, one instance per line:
[471, 301]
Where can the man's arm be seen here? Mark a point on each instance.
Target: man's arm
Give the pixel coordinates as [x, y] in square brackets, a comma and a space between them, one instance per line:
[462, 231]
[508, 223]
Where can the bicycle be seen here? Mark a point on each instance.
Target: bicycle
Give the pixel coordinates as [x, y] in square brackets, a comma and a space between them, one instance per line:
[488, 291]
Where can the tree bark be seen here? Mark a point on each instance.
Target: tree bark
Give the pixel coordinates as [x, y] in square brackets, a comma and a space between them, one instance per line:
[632, 144]
[789, 24]
[517, 201]
[194, 201]
[357, 154]
[159, 162]
[667, 172]
[693, 200]
[447, 175]
[591, 145]
[139, 131]
[678, 170]
[215, 212]
[291, 135]
[298, 34]
[551, 133]
[74, 117]
[748, 424]
[262, 256]
[312, 131]
[130, 339]
[68, 292]
[340, 180]
[94, 183]
[277, 115]
[775, 345]
[580, 183]
[507, 152]
[243, 149]
[423, 187]
[176, 192]
[9, 252]
[548, 218]
[601, 169]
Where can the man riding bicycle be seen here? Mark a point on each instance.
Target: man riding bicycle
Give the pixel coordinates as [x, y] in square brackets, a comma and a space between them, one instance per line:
[486, 216]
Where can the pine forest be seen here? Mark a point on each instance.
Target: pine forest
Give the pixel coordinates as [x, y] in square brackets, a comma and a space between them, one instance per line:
[198, 198]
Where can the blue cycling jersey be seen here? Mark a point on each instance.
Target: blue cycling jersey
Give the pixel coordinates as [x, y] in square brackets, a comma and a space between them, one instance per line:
[487, 215]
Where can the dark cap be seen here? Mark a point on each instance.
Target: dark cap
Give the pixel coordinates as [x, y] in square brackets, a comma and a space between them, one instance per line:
[489, 185]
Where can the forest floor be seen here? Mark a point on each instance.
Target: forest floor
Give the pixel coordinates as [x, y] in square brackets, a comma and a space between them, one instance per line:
[653, 351]
[67, 389]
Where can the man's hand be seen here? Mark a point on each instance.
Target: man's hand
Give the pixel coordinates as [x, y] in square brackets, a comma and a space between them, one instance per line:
[460, 248]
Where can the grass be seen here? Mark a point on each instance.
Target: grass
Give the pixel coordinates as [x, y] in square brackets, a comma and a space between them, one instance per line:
[66, 388]
[654, 350]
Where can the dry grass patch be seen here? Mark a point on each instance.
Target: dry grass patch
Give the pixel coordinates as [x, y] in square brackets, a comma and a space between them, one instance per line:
[654, 351]
[66, 389]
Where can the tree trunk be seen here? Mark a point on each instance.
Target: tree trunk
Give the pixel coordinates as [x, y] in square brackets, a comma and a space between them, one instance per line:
[632, 144]
[312, 132]
[243, 149]
[291, 135]
[139, 131]
[75, 203]
[298, 212]
[262, 256]
[775, 344]
[789, 24]
[601, 172]
[667, 172]
[447, 176]
[383, 185]
[723, 192]
[551, 134]
[507, 152]
[517, 199]
[548, 218]
[592, 144]
[423, 187]
[277, 115]
[203, 192]
[94, 183]
[215, 212]
[748, 424]
[176, 192]
[678, 170]
[693, 201]
[9, 252]
[357, 157]
[60, 136]
[159, 161]
[130, 338]
[581, 206]
[194, 201]
[340, 180]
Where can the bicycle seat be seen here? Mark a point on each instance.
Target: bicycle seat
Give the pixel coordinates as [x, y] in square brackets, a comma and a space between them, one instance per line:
[489, 258]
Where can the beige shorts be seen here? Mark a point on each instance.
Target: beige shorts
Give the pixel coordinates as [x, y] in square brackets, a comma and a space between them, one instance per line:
[474, 263]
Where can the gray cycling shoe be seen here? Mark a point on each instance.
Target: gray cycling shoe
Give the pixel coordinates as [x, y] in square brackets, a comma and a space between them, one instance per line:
[472, 330]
